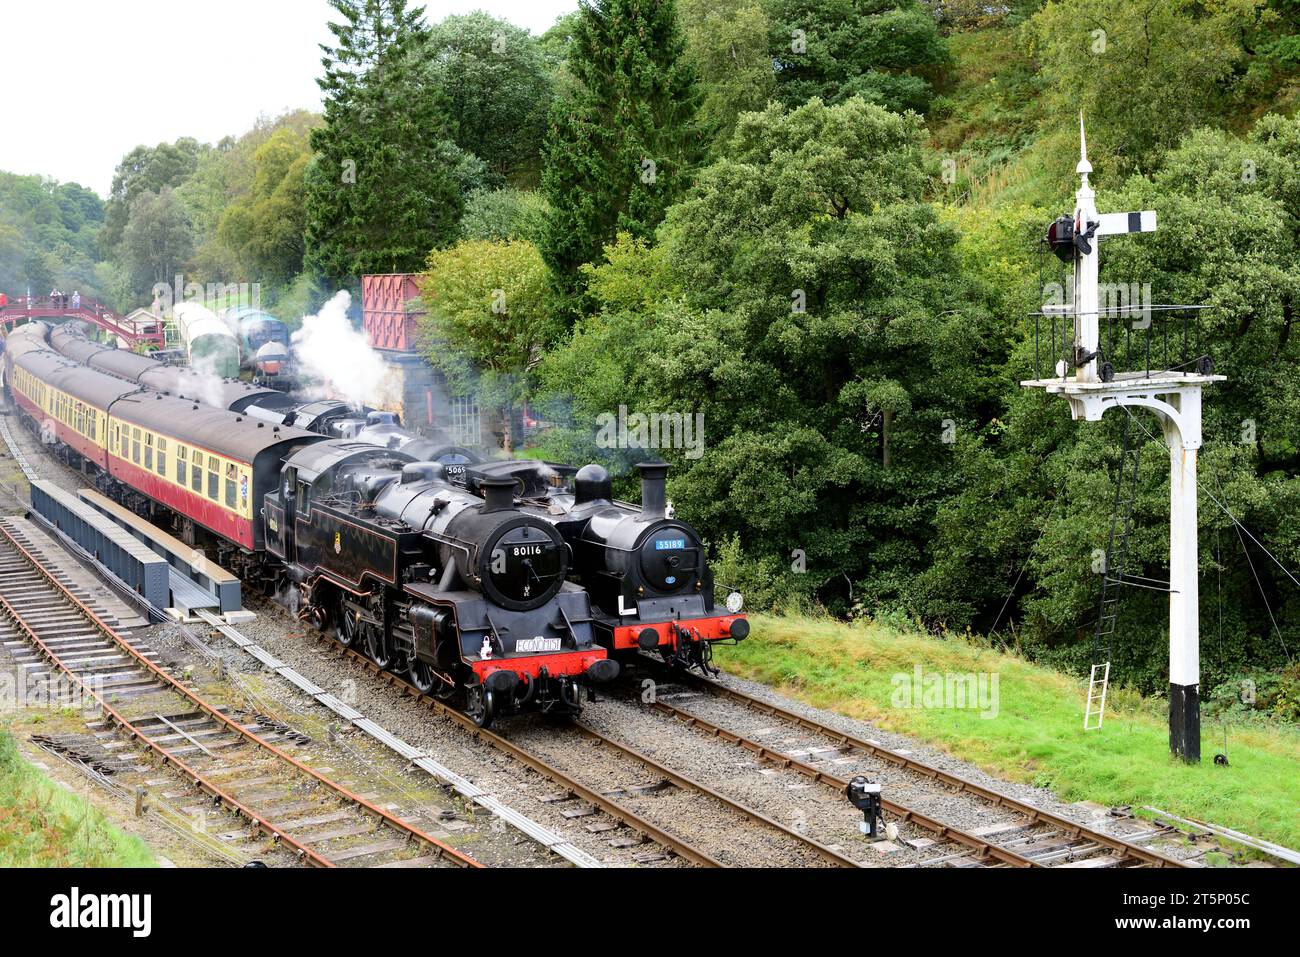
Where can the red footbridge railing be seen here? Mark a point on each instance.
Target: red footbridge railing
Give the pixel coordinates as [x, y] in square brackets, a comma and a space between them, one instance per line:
[149, 331]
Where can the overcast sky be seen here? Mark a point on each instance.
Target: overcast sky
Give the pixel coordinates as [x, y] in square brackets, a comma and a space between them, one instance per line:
[87, 80]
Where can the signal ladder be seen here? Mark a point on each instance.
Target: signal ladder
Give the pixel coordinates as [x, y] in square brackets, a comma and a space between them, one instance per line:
[1116, 558]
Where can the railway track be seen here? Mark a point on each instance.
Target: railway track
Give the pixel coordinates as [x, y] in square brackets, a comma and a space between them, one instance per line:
[781, 844]
[1028, 836]
[316, 820]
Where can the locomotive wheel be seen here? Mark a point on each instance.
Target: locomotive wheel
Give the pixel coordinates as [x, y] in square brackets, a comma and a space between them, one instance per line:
[422, 676]
[346, 628]
[376, 648]
[480, 705]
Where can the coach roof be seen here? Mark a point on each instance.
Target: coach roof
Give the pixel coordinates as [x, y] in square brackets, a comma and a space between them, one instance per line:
[217, 430]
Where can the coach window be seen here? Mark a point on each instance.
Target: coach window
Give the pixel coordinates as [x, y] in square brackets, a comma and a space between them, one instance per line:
[213, 477]
[162, 456]
[148, 451]
[230, 485]
[135, 446]
[180, 464]
[196, 472]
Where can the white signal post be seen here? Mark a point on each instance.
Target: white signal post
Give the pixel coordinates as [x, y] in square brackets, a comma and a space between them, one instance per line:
[1175, 398]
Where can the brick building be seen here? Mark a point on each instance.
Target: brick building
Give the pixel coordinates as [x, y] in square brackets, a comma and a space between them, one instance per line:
[391, 312]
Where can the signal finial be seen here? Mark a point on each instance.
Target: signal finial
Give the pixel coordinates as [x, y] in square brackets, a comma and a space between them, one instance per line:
[1084, 167]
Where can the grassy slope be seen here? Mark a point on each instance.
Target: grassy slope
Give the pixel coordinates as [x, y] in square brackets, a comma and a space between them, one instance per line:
[1036, 736]
[42, 825]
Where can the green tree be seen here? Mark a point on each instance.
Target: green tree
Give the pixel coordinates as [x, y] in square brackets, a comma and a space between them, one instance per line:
[487, 320]
[1143, 72]
[880, 50]
[48, 236]
[156, 241]
[623, 136]
[386, 185]
[146, 170]
[265, 229]
[498, 90]
[809, 305]
[727, 41]
[502, 214]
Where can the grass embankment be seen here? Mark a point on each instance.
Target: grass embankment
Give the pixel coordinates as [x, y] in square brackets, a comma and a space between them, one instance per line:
[1034, 734]
[42, 825]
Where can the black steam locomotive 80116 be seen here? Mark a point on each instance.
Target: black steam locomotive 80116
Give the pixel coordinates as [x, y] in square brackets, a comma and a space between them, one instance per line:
[457, 589]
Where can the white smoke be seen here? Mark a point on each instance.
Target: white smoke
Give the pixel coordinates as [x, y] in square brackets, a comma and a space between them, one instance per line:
[337, 361]
[206, 382]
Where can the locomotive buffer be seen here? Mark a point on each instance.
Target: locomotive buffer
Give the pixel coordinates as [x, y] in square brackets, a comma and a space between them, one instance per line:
[1174, 396]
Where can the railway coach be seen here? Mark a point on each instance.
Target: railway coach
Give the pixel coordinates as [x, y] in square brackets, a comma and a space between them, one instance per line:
[209, 468]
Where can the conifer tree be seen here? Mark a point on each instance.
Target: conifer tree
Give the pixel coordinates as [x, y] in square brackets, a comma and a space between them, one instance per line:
[622, 138]
[386, 185]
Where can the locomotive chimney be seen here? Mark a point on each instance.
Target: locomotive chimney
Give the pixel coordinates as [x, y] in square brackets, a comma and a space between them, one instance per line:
[498, 494]
[653, 494]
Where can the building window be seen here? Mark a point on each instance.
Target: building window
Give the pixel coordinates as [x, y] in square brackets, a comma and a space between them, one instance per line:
[465, 424]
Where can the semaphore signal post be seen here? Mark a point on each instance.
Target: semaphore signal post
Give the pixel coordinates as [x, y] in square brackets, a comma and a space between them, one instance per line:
[1085, 374]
